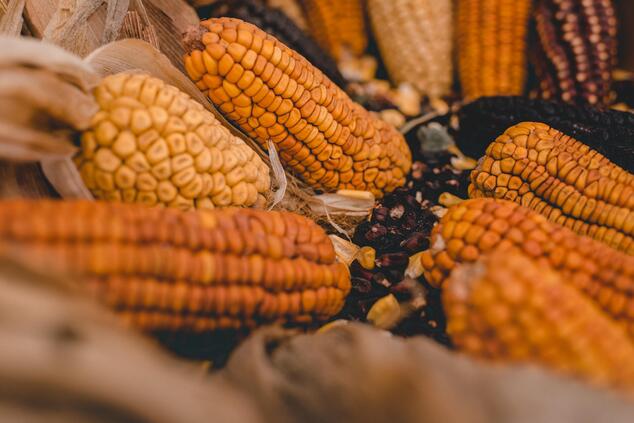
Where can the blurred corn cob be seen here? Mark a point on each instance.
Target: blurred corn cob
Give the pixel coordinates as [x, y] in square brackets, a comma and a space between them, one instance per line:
[165, 269]
[476, 227]
[337, 25]
[609, 132]
[414, 37]
[577, 49]
[509, 308]
[275, 22]
[491, 46]
[274, 94]
[561, 178]
[151, 143]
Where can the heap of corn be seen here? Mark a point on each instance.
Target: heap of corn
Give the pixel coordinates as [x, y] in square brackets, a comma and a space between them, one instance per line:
[474, 228]
[275, 22]
[168, 270]
[274, 94]
[491, 46]
[561, 178]
[576, 49]
[508, 307]
[337, 25]
[151, 143]
[415, 39]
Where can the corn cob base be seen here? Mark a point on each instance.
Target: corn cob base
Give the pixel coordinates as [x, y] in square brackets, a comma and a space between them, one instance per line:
[507, 307]
[274, 94]
[476, 227]
[166, 270]
[561, 178]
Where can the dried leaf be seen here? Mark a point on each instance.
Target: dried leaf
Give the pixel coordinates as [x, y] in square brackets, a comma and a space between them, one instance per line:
[279, 175]
[11, 19]
[29, 52]
[65, 178]
[348, 202]
[346, 251]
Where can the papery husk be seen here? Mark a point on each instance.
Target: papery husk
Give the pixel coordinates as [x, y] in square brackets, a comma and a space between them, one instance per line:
[11, 20]
[66, 359]
[346, 251]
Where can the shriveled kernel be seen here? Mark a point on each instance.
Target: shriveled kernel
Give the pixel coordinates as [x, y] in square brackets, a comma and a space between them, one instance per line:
[151, 137]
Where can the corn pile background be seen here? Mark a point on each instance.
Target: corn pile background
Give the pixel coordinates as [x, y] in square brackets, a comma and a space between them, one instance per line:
[453, 170]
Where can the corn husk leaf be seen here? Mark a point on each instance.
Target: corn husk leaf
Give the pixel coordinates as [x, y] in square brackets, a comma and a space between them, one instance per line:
[11, 17]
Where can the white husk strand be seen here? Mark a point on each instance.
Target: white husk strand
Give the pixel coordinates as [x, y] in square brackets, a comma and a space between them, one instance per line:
[345, 250]
[65, 178]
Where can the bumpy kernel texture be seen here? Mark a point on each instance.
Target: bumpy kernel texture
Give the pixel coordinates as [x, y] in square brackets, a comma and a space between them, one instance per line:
[476, 227]
[415, 39]
[576, 51]
[274, 20]
[561, 178]
[509, 308]
[153, 144]
[491, 43]
[273, 93]
[168, 270]
[337, 25]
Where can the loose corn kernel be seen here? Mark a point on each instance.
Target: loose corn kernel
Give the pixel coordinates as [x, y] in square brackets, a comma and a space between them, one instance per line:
[576, 51]
[415, 40]
[561, 178]
[151, 143]
[274, 94]
[509, 308]
[337, 25]
[491, 44]
[476, 227]
[167, 269]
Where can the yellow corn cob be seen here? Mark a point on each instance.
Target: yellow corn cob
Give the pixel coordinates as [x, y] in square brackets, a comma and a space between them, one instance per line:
[274, 94]
[151, 143]
[561, 178]
[166, 269]
[337, 25]
[491, 46]
[509, 308]
[415, 37]
[476, 227]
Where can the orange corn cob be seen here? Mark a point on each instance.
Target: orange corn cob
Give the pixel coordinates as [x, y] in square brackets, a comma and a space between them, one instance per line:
[549, 172]
[164, 269]
[337, 25]
[491, 46]
[274, 94]
[475, 227]
[509, 308]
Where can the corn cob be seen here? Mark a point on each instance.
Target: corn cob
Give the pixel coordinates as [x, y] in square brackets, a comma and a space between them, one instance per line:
[274, 94]
[414, 37]
[561, 178]
[509, 308]
[151, 143]
[165, 269]
[576, 49]
[609, 132]
[491, 46]
[337, 25]
[276, 23]
[476, 227]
